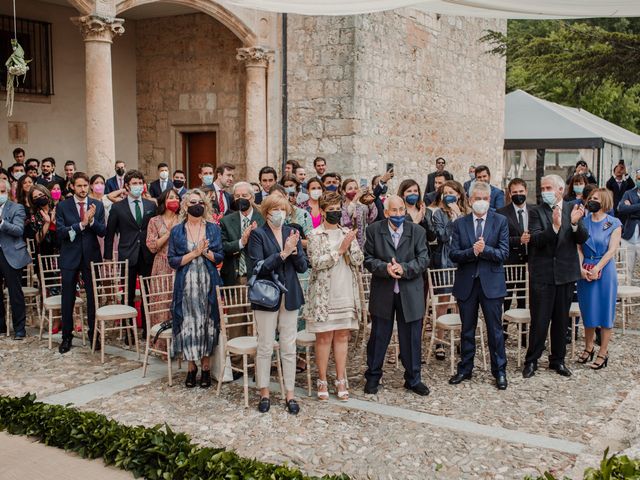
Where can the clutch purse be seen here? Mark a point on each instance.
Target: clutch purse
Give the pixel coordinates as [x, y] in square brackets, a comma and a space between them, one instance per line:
[589, 267]
[263, 292]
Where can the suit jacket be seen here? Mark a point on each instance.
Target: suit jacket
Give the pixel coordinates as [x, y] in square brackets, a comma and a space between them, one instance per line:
[631, 212]
[264, 246]
[518, 253]
[231, 226]
[180, 191]
[466, 186]
[429, 198]
[111, 185]
[619, 191]
[12, 243]
[154, 188]
[40, 180]
[412, 254]
[133, 237]
[431, 181]
[489, 264]
[84, 248]
[258, 198]
[553, 257]
[497, 198]
[228, 200]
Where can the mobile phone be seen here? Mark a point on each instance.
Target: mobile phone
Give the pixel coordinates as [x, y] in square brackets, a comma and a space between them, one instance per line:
[363, 183]
[390, 167]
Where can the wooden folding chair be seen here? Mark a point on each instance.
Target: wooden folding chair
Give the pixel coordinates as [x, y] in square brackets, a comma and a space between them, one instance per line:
[517, 279]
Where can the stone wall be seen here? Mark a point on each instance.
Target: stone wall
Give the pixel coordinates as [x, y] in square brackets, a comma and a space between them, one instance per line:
[188, 79]
[400, 87]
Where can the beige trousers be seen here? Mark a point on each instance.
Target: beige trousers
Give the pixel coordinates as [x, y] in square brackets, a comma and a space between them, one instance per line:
[286, 322]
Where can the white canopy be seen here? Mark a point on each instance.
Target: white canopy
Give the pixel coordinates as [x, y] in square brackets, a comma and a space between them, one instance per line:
[469, 8]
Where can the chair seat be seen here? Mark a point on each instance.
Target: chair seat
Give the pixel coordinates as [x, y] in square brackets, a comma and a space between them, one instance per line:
[165, 333]
[628, 291]
[449, 321]
[55, 302]
[305, 337]
[243, 345]
[574, 310]
[115, 312]
[518, 315]
[27, 291]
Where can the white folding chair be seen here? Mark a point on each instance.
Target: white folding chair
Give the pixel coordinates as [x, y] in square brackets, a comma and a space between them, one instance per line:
[628, 295]
[517, 279]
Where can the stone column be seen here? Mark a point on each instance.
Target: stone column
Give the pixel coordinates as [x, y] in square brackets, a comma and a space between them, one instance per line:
[256, 60]
[98, 33]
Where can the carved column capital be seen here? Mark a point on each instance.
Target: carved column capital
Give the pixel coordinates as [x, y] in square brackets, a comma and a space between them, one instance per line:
[255, 56]
[99, 28]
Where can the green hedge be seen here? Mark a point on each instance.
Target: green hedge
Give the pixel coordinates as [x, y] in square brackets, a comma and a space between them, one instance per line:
[156, 453]
[612, 467]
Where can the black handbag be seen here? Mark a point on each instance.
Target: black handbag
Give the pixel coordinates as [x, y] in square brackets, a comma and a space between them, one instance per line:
[262, 292]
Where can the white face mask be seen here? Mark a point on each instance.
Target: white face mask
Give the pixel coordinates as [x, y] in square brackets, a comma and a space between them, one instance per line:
[315, 194]
[18, 175]
[164, 175]
[277, 217]
[480, 207]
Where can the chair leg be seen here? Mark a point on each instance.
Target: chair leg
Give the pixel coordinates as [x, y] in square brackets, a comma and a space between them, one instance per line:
[41, 326]
[220, 370]
[624, 316]
[135, 336]
[168, 360]
[453, 352]
[431, 343]
[95, 335]
[279, 367]
[245, 379]
[146, 359]
[102, 345]
[307, 361]
[518, 338]
[50, 329]
[82, 329]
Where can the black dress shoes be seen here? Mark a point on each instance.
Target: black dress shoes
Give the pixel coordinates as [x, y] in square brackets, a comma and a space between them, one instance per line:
[293, 407]
[264, 405]
[20, 335]
[501, 382]
[190, 381]
[65, 346]
[371, 387]
[561, 369]
[459, 378]
[529, 370]
[205, 379]
[419, 388]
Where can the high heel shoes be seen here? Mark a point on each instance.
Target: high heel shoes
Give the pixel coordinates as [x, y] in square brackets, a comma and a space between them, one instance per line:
[324, 396]
[205, 379]
[341, 390]
[589, 356]
[598, 366]
[190, 382]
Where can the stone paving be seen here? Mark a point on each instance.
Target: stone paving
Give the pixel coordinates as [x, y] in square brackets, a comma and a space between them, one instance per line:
[390, 435]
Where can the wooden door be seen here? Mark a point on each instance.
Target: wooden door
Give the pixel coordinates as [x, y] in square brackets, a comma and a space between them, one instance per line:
[197, 148]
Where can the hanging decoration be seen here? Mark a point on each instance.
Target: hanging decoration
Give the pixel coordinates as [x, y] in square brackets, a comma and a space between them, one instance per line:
[16, 66]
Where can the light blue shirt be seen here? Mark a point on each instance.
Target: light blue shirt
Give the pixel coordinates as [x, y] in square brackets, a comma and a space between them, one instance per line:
[132, 205]
[396, 235]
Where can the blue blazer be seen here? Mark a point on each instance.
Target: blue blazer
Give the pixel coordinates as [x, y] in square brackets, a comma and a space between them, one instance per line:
[488, 266]
[497, 199]
[178, 248]
[85, 247]
[632, 212]
[264, 246]
[12, 241]
[111, 185]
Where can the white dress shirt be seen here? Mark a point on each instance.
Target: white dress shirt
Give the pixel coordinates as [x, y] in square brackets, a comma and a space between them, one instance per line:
[525, 215]
[249, 214]
[132, 205]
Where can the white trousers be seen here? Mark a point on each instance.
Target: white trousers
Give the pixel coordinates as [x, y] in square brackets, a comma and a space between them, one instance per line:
[633, 255]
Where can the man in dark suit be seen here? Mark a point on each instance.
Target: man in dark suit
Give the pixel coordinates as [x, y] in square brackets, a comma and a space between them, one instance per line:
[554, 267]
[48, 175]
[629, 206]
[236, 228]
[13, 258]
[267, 178]
[517, 214]
[618, 184]
[431, 180]
[163, 183]
[179, 183]
[224, 180]
[116, 182]
[472, 177]
[480, 246]
[130, 218]
[79, 223]
[483, 174]
[379, 184]
[396, 254]
[439, 179]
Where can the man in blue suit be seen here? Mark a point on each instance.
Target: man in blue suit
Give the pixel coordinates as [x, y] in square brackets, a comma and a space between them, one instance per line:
[13, 258]
[480, 246]
[79, 223]
[629, 206]
[116, 182]
[483, 174]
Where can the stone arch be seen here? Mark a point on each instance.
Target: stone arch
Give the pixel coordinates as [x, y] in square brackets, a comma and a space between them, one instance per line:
[83, 6]
[217, 11]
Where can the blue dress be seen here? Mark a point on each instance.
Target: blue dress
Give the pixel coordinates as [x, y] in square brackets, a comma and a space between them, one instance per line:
[597, 298]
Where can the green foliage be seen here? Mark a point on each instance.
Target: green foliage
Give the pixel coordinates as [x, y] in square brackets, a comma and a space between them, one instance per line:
[592, 64]
[611, 468]
[156, 453]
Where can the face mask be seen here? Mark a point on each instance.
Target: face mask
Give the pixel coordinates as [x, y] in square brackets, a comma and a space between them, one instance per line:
[97, 188]
[56, 194]
[207, 180]
[290, 190]
[578, 189]
[448, 199]
[472, 176]
[277, 218]
[120, 171]
[549, 198]
[315, 194]
[164, 175]
[3, 198]
[40, 202]
[242, 204]
[136, 190]
[518, 199]
[351, 195]
[18, 175]
[173, 205]
[332, 188]
[196, 210]
[302, 197]
[178, 184]
[412, 199]
[397, 220]
[637, 183]
[333, 218]
[480, 207]
[594, 206]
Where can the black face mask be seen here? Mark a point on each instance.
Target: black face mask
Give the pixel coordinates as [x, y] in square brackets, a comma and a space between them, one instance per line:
[333, 218]
[196, 210]
[40, 202]
[120, 171]
[178, 184]
[594, 206]
[519, 199]
[241, 204]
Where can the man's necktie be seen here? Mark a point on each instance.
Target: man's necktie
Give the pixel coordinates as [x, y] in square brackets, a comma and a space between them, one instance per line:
[81, 205]
[478, 228]
[138, 212]
[221, 200]
[242, 263]
[396, 240]
[521, 220]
